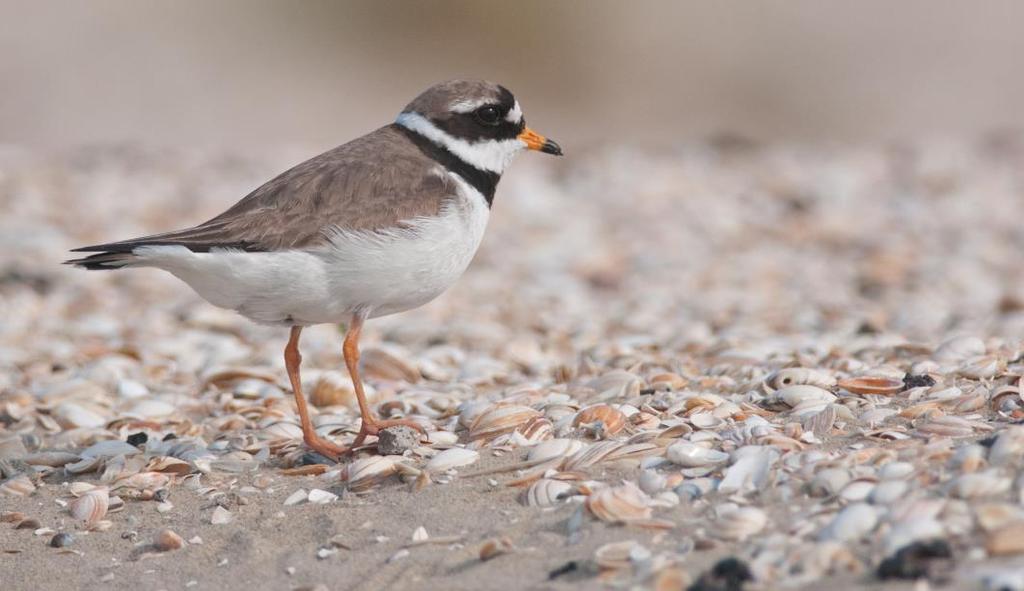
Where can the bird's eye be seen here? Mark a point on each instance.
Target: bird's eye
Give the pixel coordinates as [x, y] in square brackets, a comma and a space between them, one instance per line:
[488, 115]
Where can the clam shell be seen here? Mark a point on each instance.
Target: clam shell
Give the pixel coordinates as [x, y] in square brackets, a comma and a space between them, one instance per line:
[852, 523]
[554, 448]
[1007, 540]
[798, 376]
[500, 419]
[384, 364]
[691, 455]
[332, 388]
[547, 492]
[793, 396]
[621, 503]
[980, 484]
[618, 555]
[737, 523]
[17, 486]
[282, 430]
[455, 457]
[166, 540]
[602, 418]
[366, 473]
[91, 506]
[866, 385]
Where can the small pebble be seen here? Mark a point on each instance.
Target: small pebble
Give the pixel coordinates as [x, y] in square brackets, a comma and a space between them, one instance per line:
[394, 441]
[62, 540]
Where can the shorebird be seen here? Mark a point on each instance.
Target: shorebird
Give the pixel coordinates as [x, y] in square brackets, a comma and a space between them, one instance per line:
[380, 225]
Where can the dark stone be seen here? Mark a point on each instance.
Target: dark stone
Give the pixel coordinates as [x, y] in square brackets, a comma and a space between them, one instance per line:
[161, 494]
[728, 574]
[566, 569]
[61, 540]
[921, 381]
[137, 439]
[312, 458]
[917, 560]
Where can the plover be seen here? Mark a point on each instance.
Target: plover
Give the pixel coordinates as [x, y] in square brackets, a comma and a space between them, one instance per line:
[380, 225]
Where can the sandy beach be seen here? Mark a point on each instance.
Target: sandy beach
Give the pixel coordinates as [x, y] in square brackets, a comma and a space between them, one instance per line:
[804, 358]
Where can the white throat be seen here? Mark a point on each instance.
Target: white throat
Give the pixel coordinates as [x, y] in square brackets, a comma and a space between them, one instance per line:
[489, 155]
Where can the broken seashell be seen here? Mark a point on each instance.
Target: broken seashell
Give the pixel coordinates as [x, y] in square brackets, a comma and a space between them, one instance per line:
[495, 547]
[320, 497]
[617, 555]
[221, 516]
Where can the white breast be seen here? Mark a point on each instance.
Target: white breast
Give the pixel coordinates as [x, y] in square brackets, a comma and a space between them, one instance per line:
[378, 273]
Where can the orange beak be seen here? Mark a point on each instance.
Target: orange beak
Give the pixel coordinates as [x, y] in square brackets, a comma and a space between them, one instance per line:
[536, 141]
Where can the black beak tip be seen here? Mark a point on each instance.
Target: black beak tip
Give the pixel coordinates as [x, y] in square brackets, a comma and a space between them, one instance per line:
[551, 147]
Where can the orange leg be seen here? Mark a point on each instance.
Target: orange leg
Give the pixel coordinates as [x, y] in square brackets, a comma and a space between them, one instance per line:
[370, 425]
[292, 359]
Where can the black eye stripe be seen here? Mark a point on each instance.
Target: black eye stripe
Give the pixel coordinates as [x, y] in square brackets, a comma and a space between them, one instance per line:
[489, 114]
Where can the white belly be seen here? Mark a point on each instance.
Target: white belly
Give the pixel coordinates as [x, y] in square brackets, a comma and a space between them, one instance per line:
[376, 273]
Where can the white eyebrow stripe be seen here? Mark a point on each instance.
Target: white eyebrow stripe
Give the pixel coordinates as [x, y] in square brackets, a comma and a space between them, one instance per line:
[515, 114]
[490, 155]
[467, 106]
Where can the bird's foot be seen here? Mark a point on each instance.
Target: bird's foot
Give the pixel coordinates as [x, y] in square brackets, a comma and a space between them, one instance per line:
[324, 447]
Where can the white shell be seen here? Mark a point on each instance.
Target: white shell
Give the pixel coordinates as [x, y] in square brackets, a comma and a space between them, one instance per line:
[980, 484]
[455, 457]
[691, 455]
[851, 524]
[221, 516]
[794, 395]
[554, 448]
[546, 492]
[296, 497]
[738, 523]
[320, 497]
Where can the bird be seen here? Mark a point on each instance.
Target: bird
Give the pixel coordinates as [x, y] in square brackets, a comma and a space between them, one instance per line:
[380, 225]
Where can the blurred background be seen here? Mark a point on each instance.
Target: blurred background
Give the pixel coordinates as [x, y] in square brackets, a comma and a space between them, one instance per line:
[316, 73]
[768, 167]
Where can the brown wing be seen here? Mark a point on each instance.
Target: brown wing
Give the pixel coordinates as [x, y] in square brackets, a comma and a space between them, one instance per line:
[370, 183]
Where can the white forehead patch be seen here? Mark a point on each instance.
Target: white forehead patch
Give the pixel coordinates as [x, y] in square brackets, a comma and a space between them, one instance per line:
[467, 106]
[515, 114]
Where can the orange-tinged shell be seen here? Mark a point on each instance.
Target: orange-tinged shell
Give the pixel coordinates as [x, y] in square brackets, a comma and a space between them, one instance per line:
[612, 419]
[616, 504]
[91, 506]
[872, 385]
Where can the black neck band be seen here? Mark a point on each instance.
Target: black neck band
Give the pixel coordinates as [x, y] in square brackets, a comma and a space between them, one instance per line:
[484, 181]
